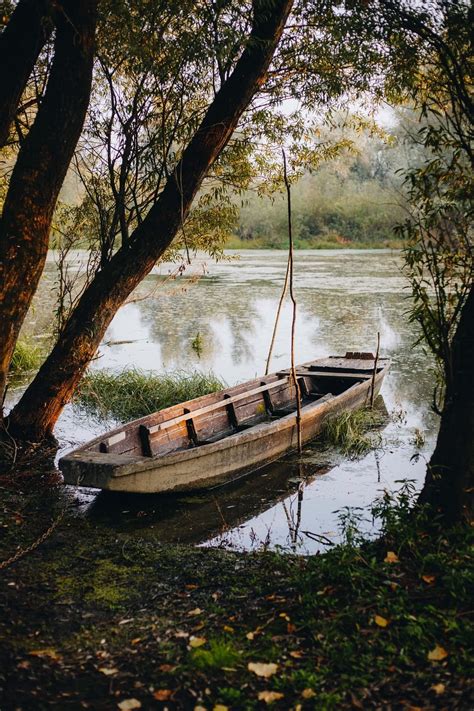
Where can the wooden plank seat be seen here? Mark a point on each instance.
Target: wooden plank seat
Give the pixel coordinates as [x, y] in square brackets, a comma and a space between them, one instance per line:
[329, 374]
[148, 434]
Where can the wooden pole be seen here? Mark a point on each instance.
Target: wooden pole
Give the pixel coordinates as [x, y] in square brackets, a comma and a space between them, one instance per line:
[293, 301]
[372, 390]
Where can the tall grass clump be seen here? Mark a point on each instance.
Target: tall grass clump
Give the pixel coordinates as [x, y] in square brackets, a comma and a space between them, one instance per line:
[352, 432]
[26, 358]
[133, 393]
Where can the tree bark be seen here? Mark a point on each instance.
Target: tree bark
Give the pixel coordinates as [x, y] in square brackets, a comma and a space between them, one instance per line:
[20, 44]
[40, 170]
[449, 483]
[37, 412]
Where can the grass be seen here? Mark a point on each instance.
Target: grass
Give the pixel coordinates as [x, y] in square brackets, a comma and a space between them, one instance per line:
[352, 432]
[26, 358]
[133, 393]
[372, 625]
[235, 242]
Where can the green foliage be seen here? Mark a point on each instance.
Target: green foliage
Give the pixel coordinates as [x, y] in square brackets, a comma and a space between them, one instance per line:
[27, 357]
[440, 247]
[350, 201]
[220, 654]
[133, 393]
[351, 431]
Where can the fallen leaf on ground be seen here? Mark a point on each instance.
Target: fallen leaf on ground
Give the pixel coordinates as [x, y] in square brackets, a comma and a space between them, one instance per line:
[220, 707]
[391, 557]
[162, 694]
[308, 693]
[429, 579]
[197, 641]
[437, 654]
[438, 688]
[108, 671]
[250, 635]
[296, 655]
[181, 635]
[166, 668]
[51, 653]
[381, 621]
[129, 704]
[196, 611]
[261, 669]
[269, 696]
[228, 628]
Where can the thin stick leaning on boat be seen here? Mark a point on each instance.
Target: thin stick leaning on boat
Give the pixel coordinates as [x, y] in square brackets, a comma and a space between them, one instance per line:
[293, 300]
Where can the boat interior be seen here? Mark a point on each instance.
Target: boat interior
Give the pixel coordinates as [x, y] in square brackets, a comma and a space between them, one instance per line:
[213, 417]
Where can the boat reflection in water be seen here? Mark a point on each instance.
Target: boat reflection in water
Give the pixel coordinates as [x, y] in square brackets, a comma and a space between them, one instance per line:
[195, 519]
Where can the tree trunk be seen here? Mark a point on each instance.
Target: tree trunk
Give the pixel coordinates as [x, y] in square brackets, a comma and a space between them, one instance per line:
[20, 44]
[40, 171]
[37, 412]
[449, 483]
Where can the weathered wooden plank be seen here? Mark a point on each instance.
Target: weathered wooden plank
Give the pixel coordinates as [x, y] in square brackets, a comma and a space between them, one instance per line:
[329, 374]
[214, 406]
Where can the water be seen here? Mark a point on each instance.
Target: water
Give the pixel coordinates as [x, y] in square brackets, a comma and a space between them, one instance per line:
[344, 299]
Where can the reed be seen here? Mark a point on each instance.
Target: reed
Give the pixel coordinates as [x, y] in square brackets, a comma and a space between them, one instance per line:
[26, 358]
[133, 393]
[353, 432]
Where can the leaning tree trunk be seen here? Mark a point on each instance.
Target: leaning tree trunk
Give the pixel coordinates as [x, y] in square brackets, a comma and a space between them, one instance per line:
[20, 44]
[449, 484]
[37, 412]
[40, 170]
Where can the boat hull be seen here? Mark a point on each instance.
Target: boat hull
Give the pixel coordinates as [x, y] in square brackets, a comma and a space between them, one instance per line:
[216, 463]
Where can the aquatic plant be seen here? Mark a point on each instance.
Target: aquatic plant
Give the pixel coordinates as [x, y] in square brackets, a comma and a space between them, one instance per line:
[134, 393]
[351, 432]
[26, 358]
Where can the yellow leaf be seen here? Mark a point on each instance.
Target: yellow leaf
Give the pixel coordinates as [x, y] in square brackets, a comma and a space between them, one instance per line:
[250, 635]
[437, 654]
[162, 694]
[196, 611]
[261, 669]
[296, 654]
[308, 693]
[438, 688]
[108, 671]
[381, 621]
[391, 557]
[269, 696]
[136, 640]
[220, 707]
[228, 628]
[197, 641]
[129, 705]
[48, 652]
[200, 708]
[429, 579]
[285, 616]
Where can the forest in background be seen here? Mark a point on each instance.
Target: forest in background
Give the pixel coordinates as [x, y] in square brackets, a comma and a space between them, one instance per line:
[354, 200]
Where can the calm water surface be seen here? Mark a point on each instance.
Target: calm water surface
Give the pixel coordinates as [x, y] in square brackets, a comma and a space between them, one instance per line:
[344, 299]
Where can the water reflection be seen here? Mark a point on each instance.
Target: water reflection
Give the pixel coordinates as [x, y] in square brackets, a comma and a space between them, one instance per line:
[344, 299]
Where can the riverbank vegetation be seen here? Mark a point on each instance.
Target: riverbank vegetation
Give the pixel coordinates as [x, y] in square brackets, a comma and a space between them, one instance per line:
[355, 433]
[26, 359]
[133, 393]
[366, 625]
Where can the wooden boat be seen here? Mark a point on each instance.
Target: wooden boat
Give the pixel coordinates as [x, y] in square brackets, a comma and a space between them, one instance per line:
[216, 438]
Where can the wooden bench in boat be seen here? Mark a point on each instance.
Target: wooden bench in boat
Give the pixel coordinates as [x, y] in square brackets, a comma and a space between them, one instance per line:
[309, 373]
[147, 434]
